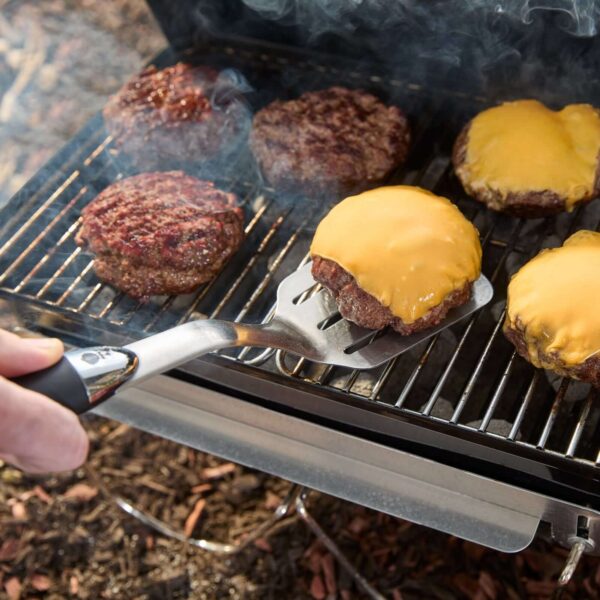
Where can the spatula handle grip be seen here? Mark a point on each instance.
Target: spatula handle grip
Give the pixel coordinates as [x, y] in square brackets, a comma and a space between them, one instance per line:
[61, 382]
[83, 378]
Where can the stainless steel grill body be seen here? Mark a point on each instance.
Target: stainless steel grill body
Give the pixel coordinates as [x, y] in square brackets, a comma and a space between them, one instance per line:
[459, 433]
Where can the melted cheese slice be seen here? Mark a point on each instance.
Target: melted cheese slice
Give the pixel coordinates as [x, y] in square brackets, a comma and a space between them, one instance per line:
[523, 146]
[555, 299]
[405, 246]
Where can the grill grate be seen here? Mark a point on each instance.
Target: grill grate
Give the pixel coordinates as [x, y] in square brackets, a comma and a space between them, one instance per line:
[467, 377]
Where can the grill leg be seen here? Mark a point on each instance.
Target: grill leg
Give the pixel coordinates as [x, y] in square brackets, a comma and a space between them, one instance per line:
[291, 508]
[282, 517]
[360, 581]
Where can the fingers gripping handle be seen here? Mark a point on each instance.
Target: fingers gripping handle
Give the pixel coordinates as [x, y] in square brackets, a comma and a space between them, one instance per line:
[83, 378]
[61, 382]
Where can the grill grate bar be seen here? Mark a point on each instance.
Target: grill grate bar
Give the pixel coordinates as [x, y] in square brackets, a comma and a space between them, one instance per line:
[58, 273]
[74, 284]
[524, 405]
[387, 371]
[98, 151]
[66, 235]
[562, 391]
[489, 413]
[262, 286]
[34, 243]
[475, 375]
[110, 305]
[415, 373]
[585, 411]
[93, 293]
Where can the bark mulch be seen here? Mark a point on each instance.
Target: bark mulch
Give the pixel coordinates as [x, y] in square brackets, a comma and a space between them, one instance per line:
[63, 537]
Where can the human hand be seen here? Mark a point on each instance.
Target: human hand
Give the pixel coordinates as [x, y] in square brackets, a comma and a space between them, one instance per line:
[37, 434]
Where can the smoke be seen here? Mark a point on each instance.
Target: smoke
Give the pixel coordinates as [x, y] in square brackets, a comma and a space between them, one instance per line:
[501, 49]
[578, 17]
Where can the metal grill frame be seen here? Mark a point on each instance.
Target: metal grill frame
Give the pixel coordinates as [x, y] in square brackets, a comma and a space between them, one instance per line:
[528, 466]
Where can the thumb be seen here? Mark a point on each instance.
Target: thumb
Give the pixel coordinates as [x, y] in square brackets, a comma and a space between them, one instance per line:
[37, 434]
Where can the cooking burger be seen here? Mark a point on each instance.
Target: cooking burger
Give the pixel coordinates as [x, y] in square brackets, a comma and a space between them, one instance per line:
[396, 256]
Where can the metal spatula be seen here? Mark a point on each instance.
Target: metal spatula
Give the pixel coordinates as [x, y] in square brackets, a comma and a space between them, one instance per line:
[303, 324]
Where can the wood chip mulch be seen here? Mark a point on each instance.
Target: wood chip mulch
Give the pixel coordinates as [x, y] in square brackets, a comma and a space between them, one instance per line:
[62, 537]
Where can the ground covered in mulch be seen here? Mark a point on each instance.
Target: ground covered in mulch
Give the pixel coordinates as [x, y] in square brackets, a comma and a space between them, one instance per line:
[64, 537]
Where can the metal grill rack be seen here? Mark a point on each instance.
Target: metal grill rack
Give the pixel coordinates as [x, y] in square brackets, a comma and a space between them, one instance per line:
[465, 384]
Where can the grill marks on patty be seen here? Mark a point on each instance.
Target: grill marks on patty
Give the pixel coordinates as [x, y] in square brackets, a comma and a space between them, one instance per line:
[331, 141]
[173, 115]
[161, 233]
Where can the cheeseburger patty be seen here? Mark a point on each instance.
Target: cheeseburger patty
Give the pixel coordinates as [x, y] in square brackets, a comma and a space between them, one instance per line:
[161, 233]
[528, 204]
[552, 317]
[396, 256]
[361, 308]
[543, 147]
[175, 114]
[331, 141]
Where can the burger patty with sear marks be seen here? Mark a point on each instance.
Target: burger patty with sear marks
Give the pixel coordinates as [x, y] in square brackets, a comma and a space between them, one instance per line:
[161, 233]
[329, 142]
[181, 113]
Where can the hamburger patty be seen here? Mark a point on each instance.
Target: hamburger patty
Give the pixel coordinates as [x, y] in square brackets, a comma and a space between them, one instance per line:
[174, 114]
[361, 308]
[588, 371]
[551, 316]
[528, 204]
[161, 233]
[332, 141]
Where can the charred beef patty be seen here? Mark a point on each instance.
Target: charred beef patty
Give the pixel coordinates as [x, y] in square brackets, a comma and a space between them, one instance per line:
[526, 160]
[332, 141]
[181, 113]
[396, 256]
[552, 317]
[161, 233]
[361, 308]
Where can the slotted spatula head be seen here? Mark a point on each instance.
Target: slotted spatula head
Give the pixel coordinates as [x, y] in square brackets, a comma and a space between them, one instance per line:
[327, 338]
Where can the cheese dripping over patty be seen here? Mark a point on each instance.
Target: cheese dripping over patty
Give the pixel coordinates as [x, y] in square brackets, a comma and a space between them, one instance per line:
[523, 146]
[553, 301]
[404, 245]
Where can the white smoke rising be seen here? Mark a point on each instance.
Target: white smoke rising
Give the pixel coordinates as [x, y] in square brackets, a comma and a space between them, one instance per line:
[320, 16]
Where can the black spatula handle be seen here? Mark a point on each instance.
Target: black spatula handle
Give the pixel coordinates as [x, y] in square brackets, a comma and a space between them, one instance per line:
[83, 378]
[62, 383]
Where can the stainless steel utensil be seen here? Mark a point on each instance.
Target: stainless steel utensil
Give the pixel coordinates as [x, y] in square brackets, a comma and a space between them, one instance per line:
[306, 324]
